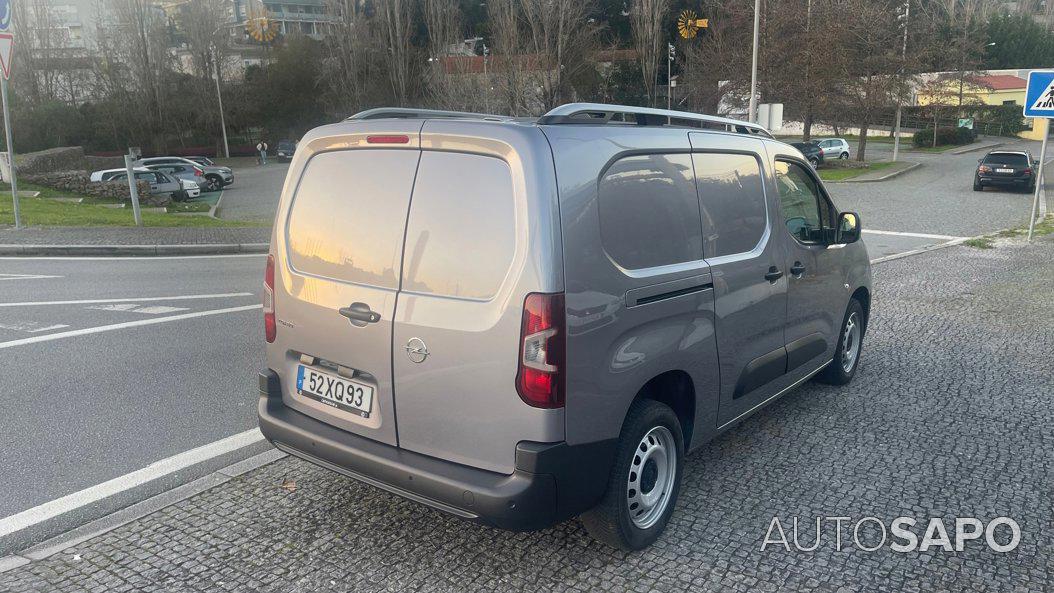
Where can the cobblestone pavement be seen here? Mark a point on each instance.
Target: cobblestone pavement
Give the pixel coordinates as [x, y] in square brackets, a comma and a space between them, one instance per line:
[950, 415]
[132, 235]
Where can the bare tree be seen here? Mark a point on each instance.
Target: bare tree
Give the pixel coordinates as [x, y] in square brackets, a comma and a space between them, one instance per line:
[454, 82]
[352, 68]
[509, 64]
[562, 40]
[397, 20]
[647, 22]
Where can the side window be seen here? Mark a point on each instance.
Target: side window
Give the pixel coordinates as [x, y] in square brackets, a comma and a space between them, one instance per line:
[732, 198]
[800, 201]
[649, 211]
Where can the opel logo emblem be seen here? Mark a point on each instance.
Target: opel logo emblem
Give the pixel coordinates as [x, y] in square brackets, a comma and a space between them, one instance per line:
[416, 350]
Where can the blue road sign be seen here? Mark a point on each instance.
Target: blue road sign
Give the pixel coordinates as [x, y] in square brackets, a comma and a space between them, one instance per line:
[5, 14]
[1039, 98]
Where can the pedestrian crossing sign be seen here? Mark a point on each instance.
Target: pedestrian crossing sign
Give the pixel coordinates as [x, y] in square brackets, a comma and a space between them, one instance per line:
[1039, 98]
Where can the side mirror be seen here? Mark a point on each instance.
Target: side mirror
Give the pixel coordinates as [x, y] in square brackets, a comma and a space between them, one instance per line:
[848, 228]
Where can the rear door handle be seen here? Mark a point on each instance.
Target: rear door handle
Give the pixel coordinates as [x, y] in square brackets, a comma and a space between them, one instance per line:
[798, 269]
[773, 274]
[360, 314]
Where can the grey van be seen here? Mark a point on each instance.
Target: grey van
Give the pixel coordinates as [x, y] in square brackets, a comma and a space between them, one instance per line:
[519, 322]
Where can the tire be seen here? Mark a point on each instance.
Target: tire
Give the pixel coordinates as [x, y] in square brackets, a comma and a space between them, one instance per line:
[626, 525]
[844, 156]
[213, 183]
[847, 355]
[815, 162]
[977, 185]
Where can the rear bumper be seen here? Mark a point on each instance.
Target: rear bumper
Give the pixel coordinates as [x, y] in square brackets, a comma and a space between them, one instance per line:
[993, 180]
[552, 482]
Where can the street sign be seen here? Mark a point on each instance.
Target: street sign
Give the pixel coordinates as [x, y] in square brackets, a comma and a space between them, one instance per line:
[1039, 98]
[5, 15]
[966, 122]
[7, 43]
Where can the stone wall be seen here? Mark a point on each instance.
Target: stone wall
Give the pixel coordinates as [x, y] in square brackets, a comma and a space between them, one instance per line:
[98, 163]
[76, 182]
[69, 158]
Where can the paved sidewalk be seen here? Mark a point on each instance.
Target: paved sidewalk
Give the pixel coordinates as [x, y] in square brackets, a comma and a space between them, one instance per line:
[950, 415]
[132, 235]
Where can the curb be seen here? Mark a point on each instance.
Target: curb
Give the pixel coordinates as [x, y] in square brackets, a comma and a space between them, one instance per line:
[974, 148]
[885, 177]
[133, 250]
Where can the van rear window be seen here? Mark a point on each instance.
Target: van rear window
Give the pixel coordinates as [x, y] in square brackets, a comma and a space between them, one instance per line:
[461, 234]
[347, 217]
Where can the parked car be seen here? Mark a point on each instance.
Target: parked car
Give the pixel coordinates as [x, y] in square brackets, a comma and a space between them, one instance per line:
[216, 178]
[542, 323]
[811, 151]
[190, 173]
[834, 148]
[285, 150]
[202, 160]
[1007, 168]
[160, 183]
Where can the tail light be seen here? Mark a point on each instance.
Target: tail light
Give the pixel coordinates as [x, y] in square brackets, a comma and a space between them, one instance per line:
[540, 379]
[1026, 171]
[270, 325]
[198, 172]
[984, 169]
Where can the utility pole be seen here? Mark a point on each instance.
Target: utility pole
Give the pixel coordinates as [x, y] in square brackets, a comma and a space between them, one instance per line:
[752, 116]
[486, 79]
[671, 51]
[219, 99]
[10, 152]
[903, 62]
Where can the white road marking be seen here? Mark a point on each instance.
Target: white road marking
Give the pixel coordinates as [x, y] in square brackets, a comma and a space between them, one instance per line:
[115, 307]
[48, 328]
[185, 297]
[144, 258]
[159, 310]
[25, 276]
[127, 324]
[158, 469]
[917, 235]
[29, 326]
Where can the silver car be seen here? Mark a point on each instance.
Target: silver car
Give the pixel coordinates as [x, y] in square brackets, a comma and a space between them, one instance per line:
[521, 322]
[216, 178]
[834, 148]
[161, 184]
[188, 173]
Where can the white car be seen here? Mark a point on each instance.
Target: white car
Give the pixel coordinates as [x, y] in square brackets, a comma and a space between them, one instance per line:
[191, 189]
[109, 174]
[834, 148]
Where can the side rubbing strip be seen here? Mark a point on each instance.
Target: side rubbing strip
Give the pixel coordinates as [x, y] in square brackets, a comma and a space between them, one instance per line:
[668, 290]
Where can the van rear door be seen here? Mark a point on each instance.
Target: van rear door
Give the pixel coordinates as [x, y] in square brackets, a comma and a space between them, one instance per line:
[341, 241]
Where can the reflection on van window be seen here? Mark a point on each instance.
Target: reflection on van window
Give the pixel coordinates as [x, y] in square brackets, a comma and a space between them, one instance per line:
[349, 213]
[799, 199]
[733, 202]
[649, 212]
[462, 230]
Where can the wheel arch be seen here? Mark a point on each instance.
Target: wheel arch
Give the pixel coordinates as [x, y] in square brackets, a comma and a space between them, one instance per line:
[675, 389]
[863, 296]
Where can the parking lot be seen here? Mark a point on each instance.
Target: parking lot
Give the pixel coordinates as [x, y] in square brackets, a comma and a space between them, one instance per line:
[948, 417]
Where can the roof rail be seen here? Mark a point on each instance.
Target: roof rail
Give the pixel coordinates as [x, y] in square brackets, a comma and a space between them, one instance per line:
[406, 113]
[598, 113]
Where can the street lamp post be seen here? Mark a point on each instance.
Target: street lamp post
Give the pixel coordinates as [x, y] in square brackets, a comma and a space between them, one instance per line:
[671, 51]
[752, 116]
[219, 95]
[903, 60]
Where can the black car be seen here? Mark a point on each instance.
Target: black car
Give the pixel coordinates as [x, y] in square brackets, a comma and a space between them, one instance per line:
[286, 148]
[1006, 168]
[811, 150]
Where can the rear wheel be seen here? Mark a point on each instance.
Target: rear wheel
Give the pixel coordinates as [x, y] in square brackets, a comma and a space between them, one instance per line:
[644, 482]
[213, 183]
[977, 185]
[842, 368]
[844, 156]
[815, 162]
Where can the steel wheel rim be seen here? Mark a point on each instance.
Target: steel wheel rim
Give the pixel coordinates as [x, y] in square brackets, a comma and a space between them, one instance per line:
[652, 475]
[850, 343]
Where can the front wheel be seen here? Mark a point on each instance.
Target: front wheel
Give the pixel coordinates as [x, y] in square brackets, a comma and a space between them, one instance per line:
[644, 482]
[213, 183]
[815, 162]
[843, 367]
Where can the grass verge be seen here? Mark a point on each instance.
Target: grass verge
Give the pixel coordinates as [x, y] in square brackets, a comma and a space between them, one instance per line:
[1042, 228]
[43, 212]
[841, 174]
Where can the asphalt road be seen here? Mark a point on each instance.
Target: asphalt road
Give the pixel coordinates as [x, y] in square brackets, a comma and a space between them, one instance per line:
[100, 405]
[254, 195]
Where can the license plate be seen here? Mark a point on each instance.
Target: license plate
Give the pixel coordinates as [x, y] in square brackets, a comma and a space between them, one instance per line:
[1004, 170]
[332, 390]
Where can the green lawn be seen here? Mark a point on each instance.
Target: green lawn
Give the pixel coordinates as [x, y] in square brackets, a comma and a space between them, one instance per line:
[847, 173]
[45, 212]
